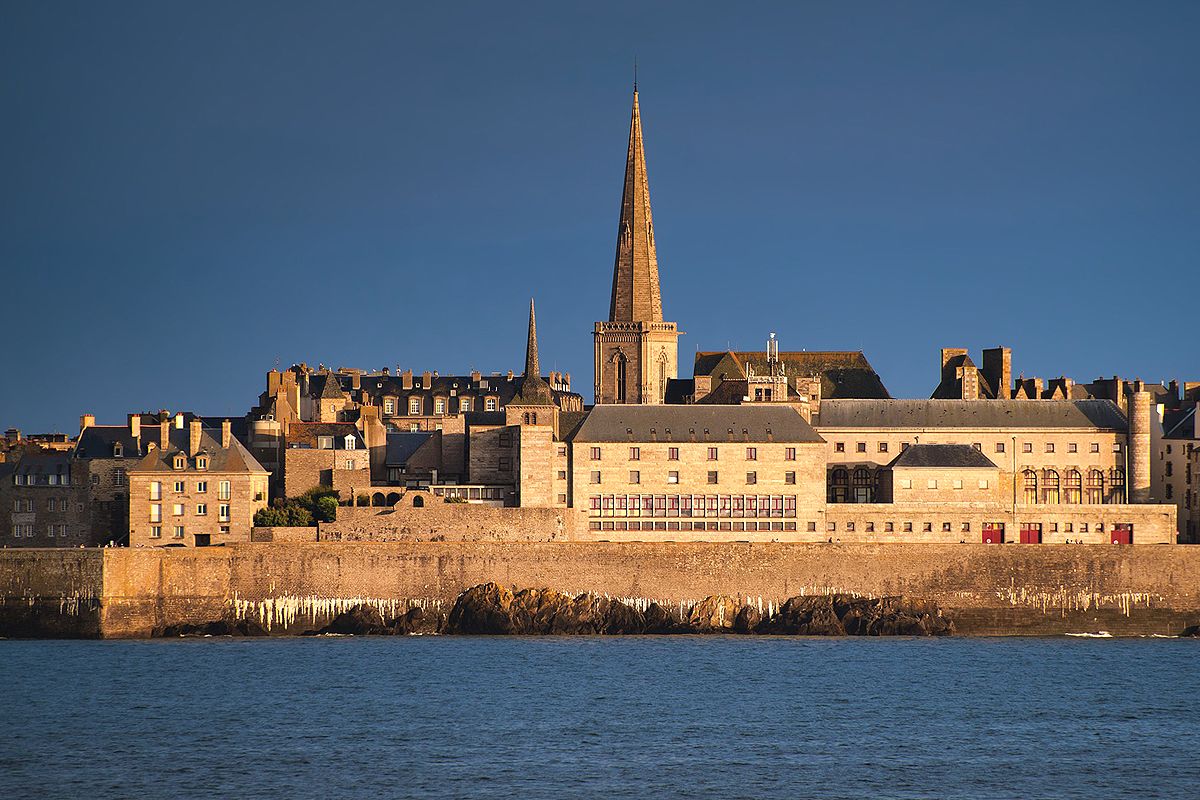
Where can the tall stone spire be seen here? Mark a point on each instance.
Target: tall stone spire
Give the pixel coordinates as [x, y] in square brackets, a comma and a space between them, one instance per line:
[635, 292]
[531, 352]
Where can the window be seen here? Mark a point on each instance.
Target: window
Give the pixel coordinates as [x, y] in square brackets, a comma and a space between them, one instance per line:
[489, 404]
[712, 454]
[119, 476]
[1116, 447]
[223, 512]
[464, 404]
[414, 406]
[1027, 447]
[1116, 485]
[178, 531]
[931, 483]
[223, 490]
[999, 447]
[839, 447]
[672, 453]
[1170, 491]
[945, 527]
[1095, 487]
[156, 531]
[672, 477]
[177, 510]
[839, 486]
[201, 509]
[95, 480]
[505, 439]
[51, 506]
[905, 483]
[1170, 470]
[350, 463]
[439, 406]
[1072, 448]
[595, 476]
[864, 486]
[751, 453]
[883, 447]
[635, 453]
[751, 478]
[180, 462]
[562, 451]
[635, 476]
[789, 454]
[201, 463]
[562, 474]
[201, 487]
[505, 464]
[908, 527]
[1031, 486]
[1049, 447]
[389, 406]
[324, 442]
[180, 487]
[595, 454]
[957, 484]
[349, 442]
[983, 484]
[1050, 487]
[1094, 448]
[861, 447]
[927, 527]
[1074, 486]
[156, 513]
[562, 498]
[414, 427]
[155, 490]
[712, 476]
[789, 477]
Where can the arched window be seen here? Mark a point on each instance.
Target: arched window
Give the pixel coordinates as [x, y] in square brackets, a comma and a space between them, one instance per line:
[1116, 485]
[525, 418]
[1031, 494]
[377, 499]
[864, 487]
[533, 418]
[839, 486]
[1050, 487]
[1095, 487]
[621, 363]
[1074, 494]
[418, 502]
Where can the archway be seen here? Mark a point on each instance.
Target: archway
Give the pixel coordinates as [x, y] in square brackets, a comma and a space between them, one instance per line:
[418, 502]
[393, 498]
[377, 499]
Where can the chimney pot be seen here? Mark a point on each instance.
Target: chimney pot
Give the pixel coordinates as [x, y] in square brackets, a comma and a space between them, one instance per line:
[86, 421]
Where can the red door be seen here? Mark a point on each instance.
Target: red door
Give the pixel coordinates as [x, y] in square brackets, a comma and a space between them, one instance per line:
[993, 533]
[1122, 533]
[1031, 533]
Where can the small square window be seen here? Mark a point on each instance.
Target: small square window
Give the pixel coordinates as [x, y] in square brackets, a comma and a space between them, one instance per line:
[156, 531]
[978, 446]
[983, 484]
[562, 498]
[927, 527]
[905, 483]
[562, 474]
[751, 478]
[179, 486]
[1049, 447]
[908, 527]
[595, 454]
[635, 453]
[201, 509]
[883, 447]
[1095, 447]
[849, 527]
[870, 527]
[811, 527]
[889, 527]
[562, 451]
[839, 447]
[1027, 447]
[999, 447]
[789, 454]
[931, 483]
[957, 483]
[672, 453]
[831, 526]
[789, 478]
[712, 454]
[751, 453]
[945, 527]
[712, 476]
[1072, 448]
[861, 447]
[595, 476]
[635, 476]
[672, 477]
[966, 527]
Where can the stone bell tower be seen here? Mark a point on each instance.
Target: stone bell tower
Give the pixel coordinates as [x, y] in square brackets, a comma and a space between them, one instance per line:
[636, 352]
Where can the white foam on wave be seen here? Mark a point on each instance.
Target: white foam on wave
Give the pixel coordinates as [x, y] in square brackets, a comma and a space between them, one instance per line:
[1097, 635]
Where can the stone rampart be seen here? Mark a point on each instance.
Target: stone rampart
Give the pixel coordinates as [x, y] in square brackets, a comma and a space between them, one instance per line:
[439, 521]
[293, 587]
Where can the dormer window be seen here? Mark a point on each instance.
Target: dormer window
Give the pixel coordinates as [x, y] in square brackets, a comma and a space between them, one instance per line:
[389, 407]
[349, 442]
[414, 405]
[118, 450]
[201, 462]
[490, 404]
[324, 442]
[179, 462]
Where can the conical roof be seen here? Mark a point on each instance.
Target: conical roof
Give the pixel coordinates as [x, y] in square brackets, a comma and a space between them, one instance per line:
[635, 294]
[534, 389]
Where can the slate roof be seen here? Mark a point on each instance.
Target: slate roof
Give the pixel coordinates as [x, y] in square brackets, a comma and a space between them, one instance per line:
[96, 441]
[568, 423]
[951, 387]
[234, 459]
[401, 446]
[942, 455]
[1102, 414]
[679, 391]
[307, 434]
[749, 423]
[1180, 424]
[36, 466]
[378, 387]
[844, 374]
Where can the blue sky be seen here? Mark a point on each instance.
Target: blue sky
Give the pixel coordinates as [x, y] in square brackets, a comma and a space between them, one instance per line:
[189, 193]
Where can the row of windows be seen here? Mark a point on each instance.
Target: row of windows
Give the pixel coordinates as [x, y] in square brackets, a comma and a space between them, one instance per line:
[1049, 488]
[415, 404]
[53, 504]
[118, 477]
[948, 527]
[999, 447]
[179, 509]
[692, 505]
[635, 454]
[28, 531]
[156, 532]
[223, 488]
[674, 525]
[20, 479]
[714, 477]
[179, 461]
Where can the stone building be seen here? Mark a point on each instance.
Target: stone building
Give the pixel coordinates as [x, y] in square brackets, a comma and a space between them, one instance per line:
[1174, 475]
[195, 486]
[45, 500]
[326, 454]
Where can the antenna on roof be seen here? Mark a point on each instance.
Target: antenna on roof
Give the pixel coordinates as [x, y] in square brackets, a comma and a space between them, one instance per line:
[635, 74]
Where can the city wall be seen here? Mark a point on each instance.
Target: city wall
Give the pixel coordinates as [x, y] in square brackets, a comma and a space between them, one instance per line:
[297, 587]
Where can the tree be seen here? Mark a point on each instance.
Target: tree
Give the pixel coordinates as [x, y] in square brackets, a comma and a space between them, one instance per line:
[326, 509]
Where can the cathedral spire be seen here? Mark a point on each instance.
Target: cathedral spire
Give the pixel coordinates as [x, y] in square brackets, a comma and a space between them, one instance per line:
[635, 292]
[531, 351]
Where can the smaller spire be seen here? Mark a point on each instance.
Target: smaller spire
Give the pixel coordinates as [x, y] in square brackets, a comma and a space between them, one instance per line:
[532, 367]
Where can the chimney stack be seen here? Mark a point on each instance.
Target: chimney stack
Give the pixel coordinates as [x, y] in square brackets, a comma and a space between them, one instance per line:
[226, 434]
[406, 379]
[135, 426]
[164, 430]
[178, 420]
[86, 421]
[426, 379]
[194, 438]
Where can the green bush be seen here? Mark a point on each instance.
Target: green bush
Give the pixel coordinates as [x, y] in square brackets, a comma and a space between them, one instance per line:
[326, 509]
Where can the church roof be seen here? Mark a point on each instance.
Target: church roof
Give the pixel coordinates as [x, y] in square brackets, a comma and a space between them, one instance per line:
[534, 390]
[636, 296]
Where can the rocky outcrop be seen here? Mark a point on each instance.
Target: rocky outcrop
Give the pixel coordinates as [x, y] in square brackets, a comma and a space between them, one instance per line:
[220, 627]
[491, 609]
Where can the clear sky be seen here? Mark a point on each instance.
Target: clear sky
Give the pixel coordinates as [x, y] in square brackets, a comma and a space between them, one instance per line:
[190, 193]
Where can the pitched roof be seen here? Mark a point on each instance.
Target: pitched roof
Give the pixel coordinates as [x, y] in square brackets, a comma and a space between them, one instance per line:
[401, 446]
[308, 434]
[1102, 414]
[748, 423]
[942, 455]
[1180, 424]
[235, 458]
[35, 465]
[844, 374]
[97, 441]
[332, 389]
[950, 387]
[679, 390]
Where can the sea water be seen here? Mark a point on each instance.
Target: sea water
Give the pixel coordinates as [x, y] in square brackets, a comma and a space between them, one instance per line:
[591, 717]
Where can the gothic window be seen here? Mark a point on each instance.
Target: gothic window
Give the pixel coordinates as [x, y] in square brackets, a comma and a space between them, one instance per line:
[1031, 487]
[1050, 487]
[1116, 486]
[1095, 487]
[621, 363]
[1074, 494]
[864, 486]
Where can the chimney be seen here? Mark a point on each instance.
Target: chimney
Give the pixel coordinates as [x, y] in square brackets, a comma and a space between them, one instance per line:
[226, 434]
[135, 426]
[273, 382]
[355, 381]
[426, 379]
[406, 379]
[475, 376]
[949, 353]
[178, 420]
[193, 438]
[164, 431]
[997, 369]
[86, 421]
[510, 374]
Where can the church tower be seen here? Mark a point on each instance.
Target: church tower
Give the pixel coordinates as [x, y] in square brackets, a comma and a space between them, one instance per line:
[636, 352]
